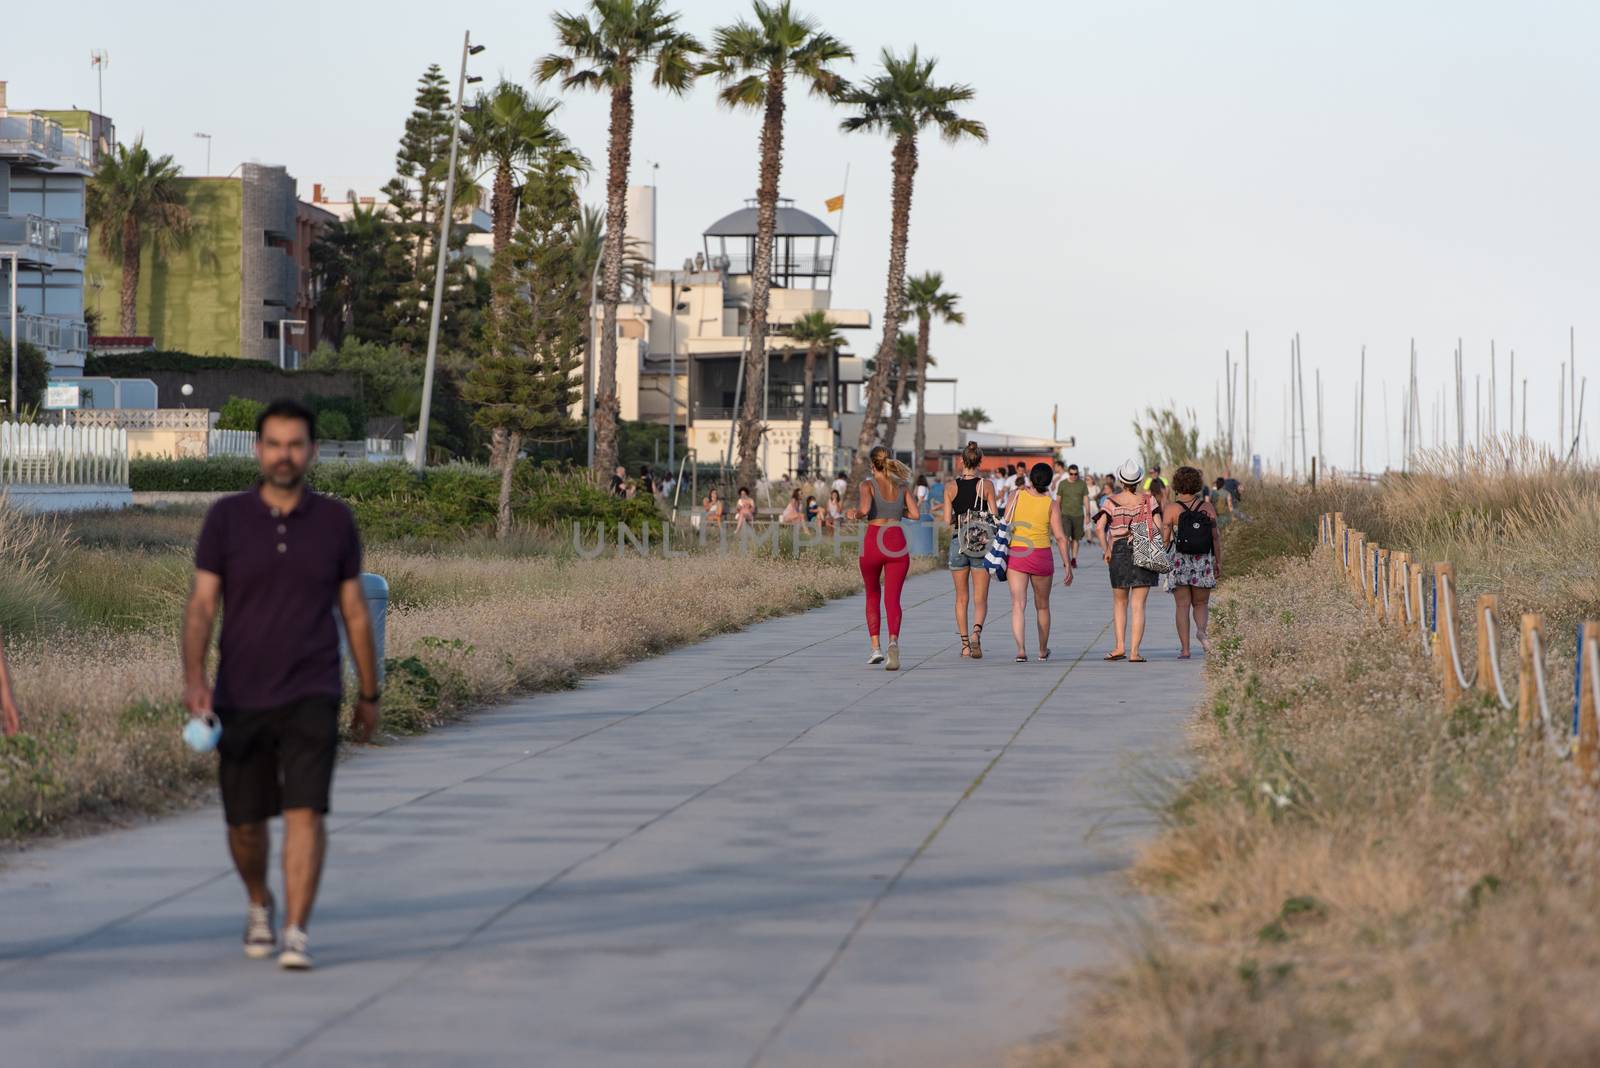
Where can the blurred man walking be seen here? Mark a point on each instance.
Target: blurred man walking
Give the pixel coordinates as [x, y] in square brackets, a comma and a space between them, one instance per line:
[278, 558]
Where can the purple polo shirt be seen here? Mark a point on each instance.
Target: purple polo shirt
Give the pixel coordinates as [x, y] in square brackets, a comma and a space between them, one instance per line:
[280, 582]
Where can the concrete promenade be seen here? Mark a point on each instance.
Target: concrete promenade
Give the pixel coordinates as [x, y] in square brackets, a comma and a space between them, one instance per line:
[752, 851]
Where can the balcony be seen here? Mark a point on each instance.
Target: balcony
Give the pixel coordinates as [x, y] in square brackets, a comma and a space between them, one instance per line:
[45, 242]
[50, 333]
[35, 140]
[776, 413]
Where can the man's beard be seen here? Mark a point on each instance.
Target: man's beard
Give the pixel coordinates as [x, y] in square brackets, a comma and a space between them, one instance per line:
[286, 478]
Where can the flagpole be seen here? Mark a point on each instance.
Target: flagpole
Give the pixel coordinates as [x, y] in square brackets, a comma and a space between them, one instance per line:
[838, 236]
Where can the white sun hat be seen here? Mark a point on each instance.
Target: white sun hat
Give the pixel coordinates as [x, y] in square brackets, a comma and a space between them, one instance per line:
[1131, 472]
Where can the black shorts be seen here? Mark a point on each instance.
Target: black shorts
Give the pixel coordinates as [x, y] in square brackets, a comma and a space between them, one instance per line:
[277, 758]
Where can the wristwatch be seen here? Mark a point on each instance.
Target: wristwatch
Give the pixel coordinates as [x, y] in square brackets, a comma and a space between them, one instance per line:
[371, 697]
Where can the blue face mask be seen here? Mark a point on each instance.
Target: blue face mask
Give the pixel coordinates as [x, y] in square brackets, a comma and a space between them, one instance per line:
[202, 735]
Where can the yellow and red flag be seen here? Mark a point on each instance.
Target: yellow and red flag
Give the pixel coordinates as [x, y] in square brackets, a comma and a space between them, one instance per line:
[835, 203]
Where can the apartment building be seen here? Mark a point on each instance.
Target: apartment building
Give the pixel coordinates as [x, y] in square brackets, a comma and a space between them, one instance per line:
[240, 283]
[683, 334]
[46, 158]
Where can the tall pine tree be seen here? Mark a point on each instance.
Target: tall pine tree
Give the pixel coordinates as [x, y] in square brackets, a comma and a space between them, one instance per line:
[526, 384]
[416, 201]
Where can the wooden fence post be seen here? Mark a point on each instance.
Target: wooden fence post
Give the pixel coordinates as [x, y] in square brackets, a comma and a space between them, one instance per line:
[1527, 688]
[1444, 645]
[1358, 555]
[1380, 600]
[1588, 755]
[1419, 610]
[1487, 605]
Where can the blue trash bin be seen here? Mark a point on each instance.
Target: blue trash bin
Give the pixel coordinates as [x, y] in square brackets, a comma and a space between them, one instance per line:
[919, 536]
[376, 588]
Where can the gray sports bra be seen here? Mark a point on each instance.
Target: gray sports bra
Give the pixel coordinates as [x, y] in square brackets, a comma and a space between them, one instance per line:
[893, 509]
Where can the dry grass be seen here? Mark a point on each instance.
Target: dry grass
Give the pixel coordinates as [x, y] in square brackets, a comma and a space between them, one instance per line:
[1355, 876]
[97, 674]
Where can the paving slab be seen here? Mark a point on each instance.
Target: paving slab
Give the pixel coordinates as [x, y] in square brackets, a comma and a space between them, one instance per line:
[751, 851]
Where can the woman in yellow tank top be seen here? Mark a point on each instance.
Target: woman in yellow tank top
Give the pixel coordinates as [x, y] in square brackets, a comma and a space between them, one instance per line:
[1035, 524]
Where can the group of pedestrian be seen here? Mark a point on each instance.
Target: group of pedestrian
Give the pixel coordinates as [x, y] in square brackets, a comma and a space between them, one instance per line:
[1150, 534]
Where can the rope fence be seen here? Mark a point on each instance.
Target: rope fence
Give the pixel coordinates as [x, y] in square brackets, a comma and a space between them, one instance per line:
[1421, 602]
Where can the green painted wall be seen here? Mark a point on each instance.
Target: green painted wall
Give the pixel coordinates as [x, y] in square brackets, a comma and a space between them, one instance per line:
[188, 300]
[69, 120]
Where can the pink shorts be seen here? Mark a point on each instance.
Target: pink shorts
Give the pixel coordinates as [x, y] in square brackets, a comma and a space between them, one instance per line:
[1032, 561]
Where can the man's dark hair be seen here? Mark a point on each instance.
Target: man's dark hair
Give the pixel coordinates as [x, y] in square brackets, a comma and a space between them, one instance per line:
[285, 408]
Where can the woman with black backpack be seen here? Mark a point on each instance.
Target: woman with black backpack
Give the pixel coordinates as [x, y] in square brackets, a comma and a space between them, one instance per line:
[970, 513]
[1191, 529]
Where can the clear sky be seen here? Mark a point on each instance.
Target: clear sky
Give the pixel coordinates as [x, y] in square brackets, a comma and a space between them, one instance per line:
[1161, 177]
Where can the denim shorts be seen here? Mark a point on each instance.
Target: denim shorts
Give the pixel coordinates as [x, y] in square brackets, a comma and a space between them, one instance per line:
[959, 560]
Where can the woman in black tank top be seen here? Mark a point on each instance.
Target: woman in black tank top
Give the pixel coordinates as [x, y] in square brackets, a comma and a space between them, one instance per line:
[974, 492]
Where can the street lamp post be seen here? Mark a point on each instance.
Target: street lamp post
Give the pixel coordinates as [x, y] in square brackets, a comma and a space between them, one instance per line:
[467, 49]
[207, 138]
[15, 405]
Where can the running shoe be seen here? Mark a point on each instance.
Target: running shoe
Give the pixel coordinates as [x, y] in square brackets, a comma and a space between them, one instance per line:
[260, 938]
[894, 657]
[875, 659]
[296, 953]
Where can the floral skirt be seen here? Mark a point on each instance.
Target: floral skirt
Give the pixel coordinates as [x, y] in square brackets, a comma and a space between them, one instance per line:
[1198, 570]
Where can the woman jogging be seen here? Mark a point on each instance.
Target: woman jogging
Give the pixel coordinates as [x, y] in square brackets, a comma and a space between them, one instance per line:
[1035, 523]
[974, 493]
[1190, 523]
[1130, 583]
[886, 497]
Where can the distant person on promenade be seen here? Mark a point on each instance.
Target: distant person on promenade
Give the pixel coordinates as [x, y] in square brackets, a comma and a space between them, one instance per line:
[793, 511]
[1091, 504]
[278, 559]
[1158, 490]
[1035, 524]
[812, 512]
[1130, 583]
[744, 510]
[1072, 495]
[973, 494]
[10, 718]
[834, 513]
[619, 482]
[1190, 525]
[1221, 500]
[712, 507]
[885, 498]
[647, 481]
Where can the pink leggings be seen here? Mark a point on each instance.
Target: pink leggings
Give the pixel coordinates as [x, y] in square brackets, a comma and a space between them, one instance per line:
[883, 553]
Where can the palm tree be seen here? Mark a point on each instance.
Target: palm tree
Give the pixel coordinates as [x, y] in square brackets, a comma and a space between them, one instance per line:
[901, 102]
[134, 197]
[972, 418]
[927, 298]
[905, 362]
[347, 258]
[753, 61]
[601, 55]
[818, 335]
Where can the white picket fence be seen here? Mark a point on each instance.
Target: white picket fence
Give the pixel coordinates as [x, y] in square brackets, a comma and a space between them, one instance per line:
[33, 454]
[230, 443]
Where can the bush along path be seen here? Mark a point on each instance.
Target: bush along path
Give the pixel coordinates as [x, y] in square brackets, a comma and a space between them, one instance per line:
[1385, 857]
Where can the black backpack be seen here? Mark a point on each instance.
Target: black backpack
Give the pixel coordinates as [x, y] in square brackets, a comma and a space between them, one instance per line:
[1194, 530]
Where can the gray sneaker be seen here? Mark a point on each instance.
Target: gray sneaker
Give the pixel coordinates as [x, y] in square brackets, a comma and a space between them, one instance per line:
[894, 657]
[296, 954]
[260, 938]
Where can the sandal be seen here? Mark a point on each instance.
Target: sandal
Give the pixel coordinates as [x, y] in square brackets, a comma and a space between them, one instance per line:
[1137, 660]
[1044, 656]
[977, 641]
[1022, 658]
[966, 646]
[1115, 656]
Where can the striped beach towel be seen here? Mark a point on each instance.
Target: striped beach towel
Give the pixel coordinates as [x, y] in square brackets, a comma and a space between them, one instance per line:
[999, 554]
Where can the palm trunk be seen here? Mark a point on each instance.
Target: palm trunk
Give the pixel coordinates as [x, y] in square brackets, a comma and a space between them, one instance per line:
[606, 409]
[920, 441]
[803, 464]
[904, 174]
[130, 277]
[508, 465]
[755, 371]
[505, 206]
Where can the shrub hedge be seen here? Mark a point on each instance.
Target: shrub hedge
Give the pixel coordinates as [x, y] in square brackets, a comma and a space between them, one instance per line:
[392, 502]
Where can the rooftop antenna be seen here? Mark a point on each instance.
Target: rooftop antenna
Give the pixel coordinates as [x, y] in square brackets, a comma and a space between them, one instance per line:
[100, 59]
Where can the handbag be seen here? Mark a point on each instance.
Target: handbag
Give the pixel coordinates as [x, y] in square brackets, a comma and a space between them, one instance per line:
[998, 558]
[1145, 541]
[976, 533]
